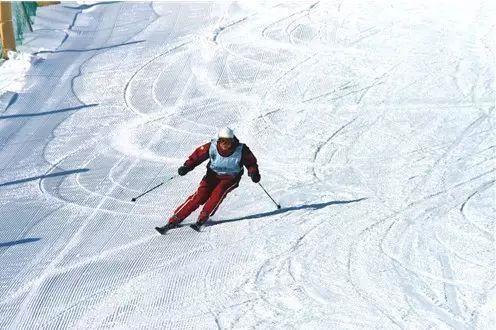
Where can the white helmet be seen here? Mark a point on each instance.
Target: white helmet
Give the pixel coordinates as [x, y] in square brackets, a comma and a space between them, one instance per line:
[226, 133]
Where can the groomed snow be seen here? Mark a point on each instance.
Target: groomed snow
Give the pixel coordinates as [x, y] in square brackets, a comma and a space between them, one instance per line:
[373, 125]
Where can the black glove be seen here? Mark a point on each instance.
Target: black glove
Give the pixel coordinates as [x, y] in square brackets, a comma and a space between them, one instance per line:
[183, 170]
[255, 177]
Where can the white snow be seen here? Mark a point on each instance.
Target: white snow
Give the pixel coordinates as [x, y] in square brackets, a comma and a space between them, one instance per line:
[50, 28]
[373, 124]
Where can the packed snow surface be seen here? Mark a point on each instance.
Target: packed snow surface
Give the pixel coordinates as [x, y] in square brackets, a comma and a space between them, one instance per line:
[373, 124]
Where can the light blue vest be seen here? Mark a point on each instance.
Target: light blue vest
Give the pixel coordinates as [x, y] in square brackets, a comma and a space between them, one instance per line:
[230, 165]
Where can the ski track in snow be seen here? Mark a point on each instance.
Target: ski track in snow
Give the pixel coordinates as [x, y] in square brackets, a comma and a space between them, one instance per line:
[374, 132]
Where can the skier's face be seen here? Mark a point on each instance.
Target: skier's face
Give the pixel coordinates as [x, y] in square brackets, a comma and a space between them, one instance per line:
[225, 144]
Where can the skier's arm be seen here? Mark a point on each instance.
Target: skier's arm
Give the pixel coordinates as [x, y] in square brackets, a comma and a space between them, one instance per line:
[250, 162]
[198, 156]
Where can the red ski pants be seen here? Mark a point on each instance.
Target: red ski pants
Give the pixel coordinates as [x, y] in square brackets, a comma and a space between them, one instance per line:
[211, 192]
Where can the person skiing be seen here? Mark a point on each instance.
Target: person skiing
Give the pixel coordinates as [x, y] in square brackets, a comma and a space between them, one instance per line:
[227, 156]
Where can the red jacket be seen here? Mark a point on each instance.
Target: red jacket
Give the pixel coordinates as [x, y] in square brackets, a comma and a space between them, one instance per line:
[201, 154]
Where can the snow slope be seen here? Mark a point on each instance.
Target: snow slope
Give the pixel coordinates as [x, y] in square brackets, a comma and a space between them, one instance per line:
[374, 128]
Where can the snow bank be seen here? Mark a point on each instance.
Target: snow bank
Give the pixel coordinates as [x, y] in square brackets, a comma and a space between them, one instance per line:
[50, 30]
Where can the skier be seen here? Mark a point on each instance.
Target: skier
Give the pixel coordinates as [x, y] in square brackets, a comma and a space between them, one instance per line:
[227, 156]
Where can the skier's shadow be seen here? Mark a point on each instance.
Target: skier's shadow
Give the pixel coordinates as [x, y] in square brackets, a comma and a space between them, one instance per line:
[316, 206]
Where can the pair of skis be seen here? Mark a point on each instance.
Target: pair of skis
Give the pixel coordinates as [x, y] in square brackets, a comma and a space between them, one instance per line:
[164, 230]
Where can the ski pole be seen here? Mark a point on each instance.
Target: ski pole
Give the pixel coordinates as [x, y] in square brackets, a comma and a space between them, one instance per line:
[278, 206]
[146, 192]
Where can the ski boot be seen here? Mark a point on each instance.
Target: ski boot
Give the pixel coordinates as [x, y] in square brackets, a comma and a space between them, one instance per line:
[198, 225]
[163, 230]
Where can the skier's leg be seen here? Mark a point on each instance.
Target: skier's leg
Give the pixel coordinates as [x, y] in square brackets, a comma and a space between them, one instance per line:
[201, 195]
[218, 194]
